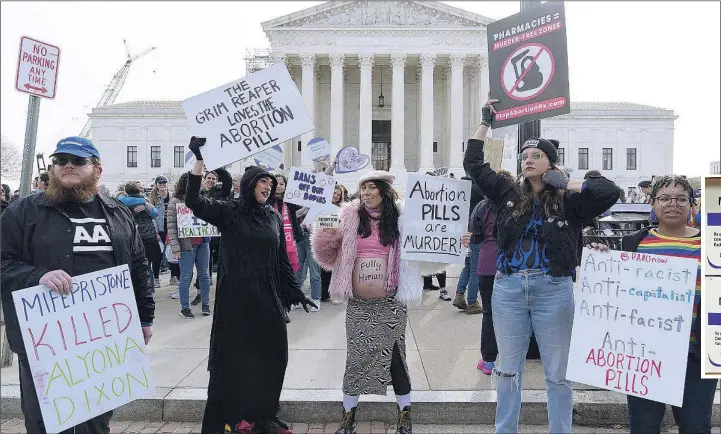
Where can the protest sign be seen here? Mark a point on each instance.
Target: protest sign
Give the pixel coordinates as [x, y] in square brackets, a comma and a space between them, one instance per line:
[711, 225]
[711, 327]
[317, 211]
[86, 350]
[329, 221]
[528, 65]
[349, 160]
[632, 323]
[306, 188]
[270, 159]
[435, 217]
[319, 151]
[191, 226]
[247, 116]
[493, 152]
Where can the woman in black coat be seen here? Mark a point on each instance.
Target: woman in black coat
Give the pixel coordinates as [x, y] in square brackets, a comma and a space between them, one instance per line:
[255, 287]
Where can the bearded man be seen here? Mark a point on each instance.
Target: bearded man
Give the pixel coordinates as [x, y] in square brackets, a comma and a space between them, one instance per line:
[65, 231]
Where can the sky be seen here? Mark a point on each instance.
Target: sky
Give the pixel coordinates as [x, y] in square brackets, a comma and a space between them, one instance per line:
[641, 52]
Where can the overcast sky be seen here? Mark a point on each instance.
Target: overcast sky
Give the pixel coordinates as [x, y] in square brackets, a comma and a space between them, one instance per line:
[664, 54]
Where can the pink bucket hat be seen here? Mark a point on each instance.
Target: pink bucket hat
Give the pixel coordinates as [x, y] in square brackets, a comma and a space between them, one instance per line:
[377, 175]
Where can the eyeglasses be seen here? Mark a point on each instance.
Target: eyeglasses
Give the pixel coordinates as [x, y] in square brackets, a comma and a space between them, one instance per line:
[680, 200]
[535, 156]
[62, 160]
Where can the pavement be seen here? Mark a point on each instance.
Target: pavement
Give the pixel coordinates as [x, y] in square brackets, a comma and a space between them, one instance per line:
[442, 352]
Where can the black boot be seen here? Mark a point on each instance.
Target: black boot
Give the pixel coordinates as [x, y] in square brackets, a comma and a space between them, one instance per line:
[347, 425]
[404, 421]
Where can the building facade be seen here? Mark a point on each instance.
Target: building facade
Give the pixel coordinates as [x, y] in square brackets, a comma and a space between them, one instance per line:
[404, 82]
[716, 168]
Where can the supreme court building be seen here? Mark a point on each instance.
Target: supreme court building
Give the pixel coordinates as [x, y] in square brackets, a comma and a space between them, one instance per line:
[404, 82]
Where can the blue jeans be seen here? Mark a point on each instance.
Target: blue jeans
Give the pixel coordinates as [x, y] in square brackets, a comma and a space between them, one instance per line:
[469, 275]
[524, 303]
[199, 256]
[308, 263]
[694, 416]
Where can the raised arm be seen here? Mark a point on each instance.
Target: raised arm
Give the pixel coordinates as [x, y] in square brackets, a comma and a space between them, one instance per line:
[206, 208]
[594, 196]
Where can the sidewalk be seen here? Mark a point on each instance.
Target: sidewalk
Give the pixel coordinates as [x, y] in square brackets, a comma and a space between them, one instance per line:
[442, 353]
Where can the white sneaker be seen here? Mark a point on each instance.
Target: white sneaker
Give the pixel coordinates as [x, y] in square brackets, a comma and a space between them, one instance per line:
[317, 303]
[174, 294]
[295, 306]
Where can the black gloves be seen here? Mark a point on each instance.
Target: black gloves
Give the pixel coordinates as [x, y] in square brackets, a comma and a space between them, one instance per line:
[486, 115]
[194, 146]
[305, 303]
[556, 179]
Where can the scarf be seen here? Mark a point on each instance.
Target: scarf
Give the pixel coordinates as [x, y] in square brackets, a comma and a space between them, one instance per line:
[393, 258]
[290, 246]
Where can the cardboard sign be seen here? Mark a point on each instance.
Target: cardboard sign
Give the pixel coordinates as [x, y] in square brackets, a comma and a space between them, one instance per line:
[319, 150]
[191, 226]
[632, 324]
[434, 219]
[711, 328]
[528, 65]
[711, 225]
[329, 221]
[270, 159]
[349, 160]
[306, 188]
[317, 211]
[247, 116]
[86, 350]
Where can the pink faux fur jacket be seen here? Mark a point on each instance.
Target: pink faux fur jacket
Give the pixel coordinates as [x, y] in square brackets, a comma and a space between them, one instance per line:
[336, 251]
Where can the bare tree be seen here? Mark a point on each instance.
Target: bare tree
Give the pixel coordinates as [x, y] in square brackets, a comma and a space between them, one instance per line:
[12, 159]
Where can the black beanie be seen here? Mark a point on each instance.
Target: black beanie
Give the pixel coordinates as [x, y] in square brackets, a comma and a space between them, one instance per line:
[548, 146]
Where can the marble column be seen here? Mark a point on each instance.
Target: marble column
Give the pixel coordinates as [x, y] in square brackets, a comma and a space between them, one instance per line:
[365, 132]
[336, 103]
[288, 144]
[457, 61]
[307, 61]
[483, 84]
[426, 146]
[398, 164]
[475, 110]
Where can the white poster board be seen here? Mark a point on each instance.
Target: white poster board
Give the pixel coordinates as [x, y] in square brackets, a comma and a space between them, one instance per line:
[318, 211]
[632, 324]
[191, 226]
[435, 217]
[247, 116]
[270, 159]
[711, 328]
[306, 188]
[711, 224]
[86, 350]
[318, 150]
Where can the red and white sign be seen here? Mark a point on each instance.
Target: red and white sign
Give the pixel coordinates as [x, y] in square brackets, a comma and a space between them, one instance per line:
[37, 72]
[527, 71]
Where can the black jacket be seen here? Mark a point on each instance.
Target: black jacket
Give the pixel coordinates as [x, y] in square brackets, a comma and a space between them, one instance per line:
[37, 238]
[476, 198]
[146, 225]
[562, 232]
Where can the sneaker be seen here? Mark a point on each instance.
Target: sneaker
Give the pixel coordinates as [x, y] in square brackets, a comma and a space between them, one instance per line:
[206, 310]
[474, 308]
[196, 300]
[443, 295]
[485, 367]
[186, 313]
[164, 270]
[174, 294]
[317, 303]
[460, 301]
[295, 306]
[173, 280]
[157, 283]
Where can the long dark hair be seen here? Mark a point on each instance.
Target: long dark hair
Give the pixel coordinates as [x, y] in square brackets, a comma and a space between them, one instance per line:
[550, 198]
[388, 219]
[181, 186]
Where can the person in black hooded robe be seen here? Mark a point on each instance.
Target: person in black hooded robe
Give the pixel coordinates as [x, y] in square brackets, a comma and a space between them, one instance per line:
[255, 288]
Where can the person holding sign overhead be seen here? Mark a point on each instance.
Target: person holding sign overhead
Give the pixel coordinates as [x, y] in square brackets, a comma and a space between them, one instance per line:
[255, 288]
[66, 231]
[368, 272]
[539, 223]
[672, 199]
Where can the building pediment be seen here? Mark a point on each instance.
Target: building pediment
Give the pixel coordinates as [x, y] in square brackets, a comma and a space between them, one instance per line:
[363, 13]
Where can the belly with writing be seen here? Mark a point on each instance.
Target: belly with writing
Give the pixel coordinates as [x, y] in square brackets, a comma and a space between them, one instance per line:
[369, 277]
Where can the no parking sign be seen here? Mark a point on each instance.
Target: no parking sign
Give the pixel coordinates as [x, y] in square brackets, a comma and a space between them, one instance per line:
[528, 65]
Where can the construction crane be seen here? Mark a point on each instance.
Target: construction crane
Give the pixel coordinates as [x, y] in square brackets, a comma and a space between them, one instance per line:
[113, 89]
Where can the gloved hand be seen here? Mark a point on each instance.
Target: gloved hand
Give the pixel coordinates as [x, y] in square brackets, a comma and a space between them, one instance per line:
[194, 146]
[487, 112]
[555, 179]
[305, 303]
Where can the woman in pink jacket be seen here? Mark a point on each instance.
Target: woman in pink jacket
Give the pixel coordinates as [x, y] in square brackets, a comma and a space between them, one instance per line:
[364, 256]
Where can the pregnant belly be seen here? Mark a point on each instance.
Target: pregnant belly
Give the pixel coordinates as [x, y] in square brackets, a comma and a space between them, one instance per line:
[369, 277]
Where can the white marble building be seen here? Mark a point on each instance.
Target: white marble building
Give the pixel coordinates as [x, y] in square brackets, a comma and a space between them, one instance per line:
[716, 168]
[429, 62]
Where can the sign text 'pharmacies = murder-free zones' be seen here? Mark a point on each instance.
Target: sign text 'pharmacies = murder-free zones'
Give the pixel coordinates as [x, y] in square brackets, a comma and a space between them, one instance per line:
[86, 349]
[247, 116]
[632, 323]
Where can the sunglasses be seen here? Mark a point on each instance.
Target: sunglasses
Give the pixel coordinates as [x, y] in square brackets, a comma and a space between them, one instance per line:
[62, 160]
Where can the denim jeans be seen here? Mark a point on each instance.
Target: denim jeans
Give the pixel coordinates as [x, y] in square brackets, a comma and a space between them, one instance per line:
[524, 303]
[469, 275]
[308, 264]
[694, 416]
[199, 256]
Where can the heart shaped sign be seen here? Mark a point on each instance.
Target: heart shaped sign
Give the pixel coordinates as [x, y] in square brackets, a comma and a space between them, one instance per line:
[349, 160]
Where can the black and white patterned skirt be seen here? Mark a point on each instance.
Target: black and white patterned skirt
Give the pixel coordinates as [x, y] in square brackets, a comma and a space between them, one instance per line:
[373, 327]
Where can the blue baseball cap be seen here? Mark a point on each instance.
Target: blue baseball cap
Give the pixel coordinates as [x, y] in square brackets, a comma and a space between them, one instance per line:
[78, 146]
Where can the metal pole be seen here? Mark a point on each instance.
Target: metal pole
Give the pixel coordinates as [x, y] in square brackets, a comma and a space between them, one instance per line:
[526, 130]
[31, 131]
[26, 176]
